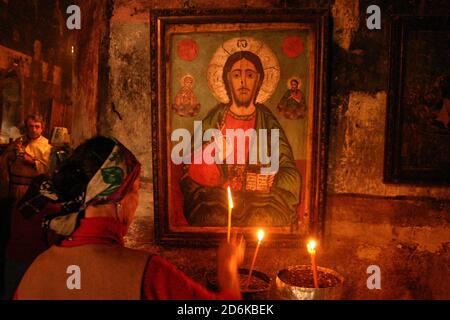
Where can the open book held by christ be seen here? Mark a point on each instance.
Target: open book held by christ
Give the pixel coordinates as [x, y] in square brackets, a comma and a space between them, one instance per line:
[249, 178]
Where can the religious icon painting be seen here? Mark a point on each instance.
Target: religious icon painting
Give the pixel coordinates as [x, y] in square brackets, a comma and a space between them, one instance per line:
[239, 102]
[418, 114]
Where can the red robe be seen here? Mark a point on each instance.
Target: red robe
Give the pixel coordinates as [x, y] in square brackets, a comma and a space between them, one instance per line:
[209, 174]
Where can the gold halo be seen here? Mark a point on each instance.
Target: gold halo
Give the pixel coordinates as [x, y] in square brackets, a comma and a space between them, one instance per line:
[264, 52]
[299, 80]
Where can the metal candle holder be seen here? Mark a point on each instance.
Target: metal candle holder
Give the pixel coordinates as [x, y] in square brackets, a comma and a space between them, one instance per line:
[285, 291]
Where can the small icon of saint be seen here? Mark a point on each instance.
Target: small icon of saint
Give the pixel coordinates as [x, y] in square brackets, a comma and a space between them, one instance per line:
[186, 103]
[292, 105]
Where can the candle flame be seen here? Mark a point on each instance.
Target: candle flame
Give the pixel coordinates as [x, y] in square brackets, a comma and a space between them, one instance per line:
[230, 200]
[311, 246]
[72, 49]
[260, 235]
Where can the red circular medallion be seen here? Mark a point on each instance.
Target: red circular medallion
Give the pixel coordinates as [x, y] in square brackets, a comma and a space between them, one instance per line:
[187, 49]
[293, 46]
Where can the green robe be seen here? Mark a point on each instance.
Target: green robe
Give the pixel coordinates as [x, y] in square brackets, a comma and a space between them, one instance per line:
[208, 206]
[290, 103]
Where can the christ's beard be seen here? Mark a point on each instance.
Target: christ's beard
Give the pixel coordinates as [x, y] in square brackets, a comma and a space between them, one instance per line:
[241, 103]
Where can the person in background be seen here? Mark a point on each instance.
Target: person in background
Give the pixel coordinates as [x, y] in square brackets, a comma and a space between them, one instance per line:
[26, 158]
[97, 191]
[22, 240]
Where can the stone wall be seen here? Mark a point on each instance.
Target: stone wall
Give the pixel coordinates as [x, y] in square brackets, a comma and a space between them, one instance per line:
[404, 229]
[35, 65]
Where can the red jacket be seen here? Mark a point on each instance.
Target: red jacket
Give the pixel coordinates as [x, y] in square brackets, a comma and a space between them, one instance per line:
[161, 280]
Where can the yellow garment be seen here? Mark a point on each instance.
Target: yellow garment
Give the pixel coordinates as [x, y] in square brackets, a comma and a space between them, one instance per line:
[17, 173]
[40, 150]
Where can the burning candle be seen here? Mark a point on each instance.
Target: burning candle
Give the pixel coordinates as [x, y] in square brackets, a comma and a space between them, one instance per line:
[260, 236]
[312, 251]
[230, 207]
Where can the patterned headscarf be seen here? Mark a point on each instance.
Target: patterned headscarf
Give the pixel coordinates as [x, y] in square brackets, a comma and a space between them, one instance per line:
[110, 183]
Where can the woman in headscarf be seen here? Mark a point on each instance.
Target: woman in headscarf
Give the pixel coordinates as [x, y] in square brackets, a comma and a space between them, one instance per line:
[97, 189]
